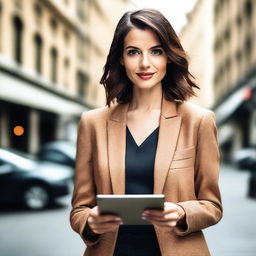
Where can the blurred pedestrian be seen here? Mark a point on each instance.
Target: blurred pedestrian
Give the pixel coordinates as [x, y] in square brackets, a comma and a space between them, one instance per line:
[147, 140]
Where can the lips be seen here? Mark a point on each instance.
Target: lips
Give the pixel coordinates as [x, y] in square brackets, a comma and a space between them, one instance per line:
[145, 75]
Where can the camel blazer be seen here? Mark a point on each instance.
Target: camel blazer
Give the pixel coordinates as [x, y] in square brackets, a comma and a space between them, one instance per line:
[186, 170]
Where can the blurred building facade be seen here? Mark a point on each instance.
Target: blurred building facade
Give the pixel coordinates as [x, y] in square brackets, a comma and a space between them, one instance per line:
[103, 17]
[51, 57]
[220, 38]
[235, 74]
[197, 40]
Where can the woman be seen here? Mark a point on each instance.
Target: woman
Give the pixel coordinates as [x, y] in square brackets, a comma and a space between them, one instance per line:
[148, 141]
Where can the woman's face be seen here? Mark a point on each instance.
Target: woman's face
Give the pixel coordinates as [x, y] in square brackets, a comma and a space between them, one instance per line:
[144, 58]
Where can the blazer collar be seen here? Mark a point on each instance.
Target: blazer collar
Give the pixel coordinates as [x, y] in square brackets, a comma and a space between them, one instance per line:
[168, 110]
[169, 128]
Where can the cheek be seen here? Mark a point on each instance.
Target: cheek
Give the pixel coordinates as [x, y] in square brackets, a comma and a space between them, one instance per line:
[130, 65]
[161, 64]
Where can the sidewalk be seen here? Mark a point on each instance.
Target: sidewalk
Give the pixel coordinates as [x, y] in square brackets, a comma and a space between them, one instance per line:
[235, 234]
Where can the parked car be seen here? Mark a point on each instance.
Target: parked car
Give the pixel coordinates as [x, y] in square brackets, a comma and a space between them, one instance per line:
[245, 159]
[32, 183]
[61, 152]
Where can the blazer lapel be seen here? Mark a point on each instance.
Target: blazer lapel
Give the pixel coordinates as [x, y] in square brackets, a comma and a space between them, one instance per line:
[169, 128]
[116, 132]
[167, 139]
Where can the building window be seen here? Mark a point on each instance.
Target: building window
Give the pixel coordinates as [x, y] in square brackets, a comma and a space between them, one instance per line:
[66, 71]
[227, 34]
[217, 45]
[239, 21]
[248, 48]
[18, 4]
[228, 70]
[53, 24]
[38, 53]
[80, 5]
[221, 72]
[238, 60]
[238, 56]
[66, 36]
[17, 39]
[38, 13]
[80, 48]
[217, 78]
[54, 59]
[248, 10]
[81, 84]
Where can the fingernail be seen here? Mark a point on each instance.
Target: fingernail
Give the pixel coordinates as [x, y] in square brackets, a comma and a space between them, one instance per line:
[146, 212]
[143, 217]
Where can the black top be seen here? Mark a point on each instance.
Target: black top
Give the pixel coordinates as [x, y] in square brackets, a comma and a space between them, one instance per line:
[139, 179]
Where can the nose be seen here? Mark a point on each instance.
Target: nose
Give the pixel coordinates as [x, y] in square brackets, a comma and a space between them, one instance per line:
[144, 62]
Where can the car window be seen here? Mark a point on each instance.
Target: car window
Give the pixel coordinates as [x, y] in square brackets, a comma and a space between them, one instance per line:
[53, 156]
[5, 168]
[14, 159]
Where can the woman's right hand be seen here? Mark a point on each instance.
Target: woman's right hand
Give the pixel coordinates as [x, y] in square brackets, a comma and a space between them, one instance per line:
[100, 224]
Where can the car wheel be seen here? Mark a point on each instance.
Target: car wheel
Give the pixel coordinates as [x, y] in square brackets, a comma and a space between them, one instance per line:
[36, 197]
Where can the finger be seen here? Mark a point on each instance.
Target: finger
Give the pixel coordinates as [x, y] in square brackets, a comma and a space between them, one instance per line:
[164, 215]
[94, 212]
[108, 218]
[106, 229]
[170, 207]
[166, 218]
[154, 212]
[169, 224]
[106, 226]
[95, 223]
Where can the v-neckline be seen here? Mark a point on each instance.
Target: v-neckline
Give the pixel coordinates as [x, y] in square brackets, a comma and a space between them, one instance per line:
[144, 141]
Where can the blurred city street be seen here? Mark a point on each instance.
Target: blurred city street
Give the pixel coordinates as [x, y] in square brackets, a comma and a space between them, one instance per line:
[235, 234]
[39, 233]
[48, 232]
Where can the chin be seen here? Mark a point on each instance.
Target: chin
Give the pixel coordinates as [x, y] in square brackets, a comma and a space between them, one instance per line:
[146, 85]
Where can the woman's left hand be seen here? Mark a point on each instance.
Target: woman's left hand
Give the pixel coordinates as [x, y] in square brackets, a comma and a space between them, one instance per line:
[167, 218]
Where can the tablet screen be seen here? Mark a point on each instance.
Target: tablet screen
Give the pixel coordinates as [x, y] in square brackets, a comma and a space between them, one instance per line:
[129, 207]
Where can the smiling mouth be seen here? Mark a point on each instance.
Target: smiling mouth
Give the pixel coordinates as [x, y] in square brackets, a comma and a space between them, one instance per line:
[145, 75]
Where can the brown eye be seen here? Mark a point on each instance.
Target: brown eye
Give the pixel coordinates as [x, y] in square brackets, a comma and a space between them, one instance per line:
[157, 51]
[133, 52]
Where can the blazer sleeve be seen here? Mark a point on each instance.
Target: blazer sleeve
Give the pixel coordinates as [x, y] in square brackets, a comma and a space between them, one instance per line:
[207, 209]
[84, 187]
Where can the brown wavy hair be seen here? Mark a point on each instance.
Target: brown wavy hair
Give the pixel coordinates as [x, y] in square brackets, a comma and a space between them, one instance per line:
[178, 82]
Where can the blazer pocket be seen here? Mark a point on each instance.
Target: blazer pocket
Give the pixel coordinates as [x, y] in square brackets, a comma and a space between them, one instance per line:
[183, 158]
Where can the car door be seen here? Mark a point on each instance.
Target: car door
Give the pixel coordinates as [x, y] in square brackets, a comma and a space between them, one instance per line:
[6, 177]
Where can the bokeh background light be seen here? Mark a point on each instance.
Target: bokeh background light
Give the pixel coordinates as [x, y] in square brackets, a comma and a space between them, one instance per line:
[18, 130]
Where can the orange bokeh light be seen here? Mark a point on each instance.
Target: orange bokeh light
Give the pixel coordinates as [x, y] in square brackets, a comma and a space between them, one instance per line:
[18, 130]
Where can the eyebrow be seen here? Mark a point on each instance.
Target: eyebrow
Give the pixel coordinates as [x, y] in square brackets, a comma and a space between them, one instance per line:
[134, 47]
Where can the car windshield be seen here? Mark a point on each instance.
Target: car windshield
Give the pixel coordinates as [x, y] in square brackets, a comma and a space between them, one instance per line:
[16, 158]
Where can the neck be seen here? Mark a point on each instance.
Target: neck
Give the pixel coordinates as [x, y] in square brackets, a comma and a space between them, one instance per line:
[146, 100]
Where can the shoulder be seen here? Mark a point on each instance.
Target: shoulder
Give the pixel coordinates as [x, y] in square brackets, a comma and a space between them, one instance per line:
[193, 111]
[97, 114]
[196, 115]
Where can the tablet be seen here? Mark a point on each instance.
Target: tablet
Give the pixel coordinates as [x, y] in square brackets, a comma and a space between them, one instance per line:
[129, 207]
